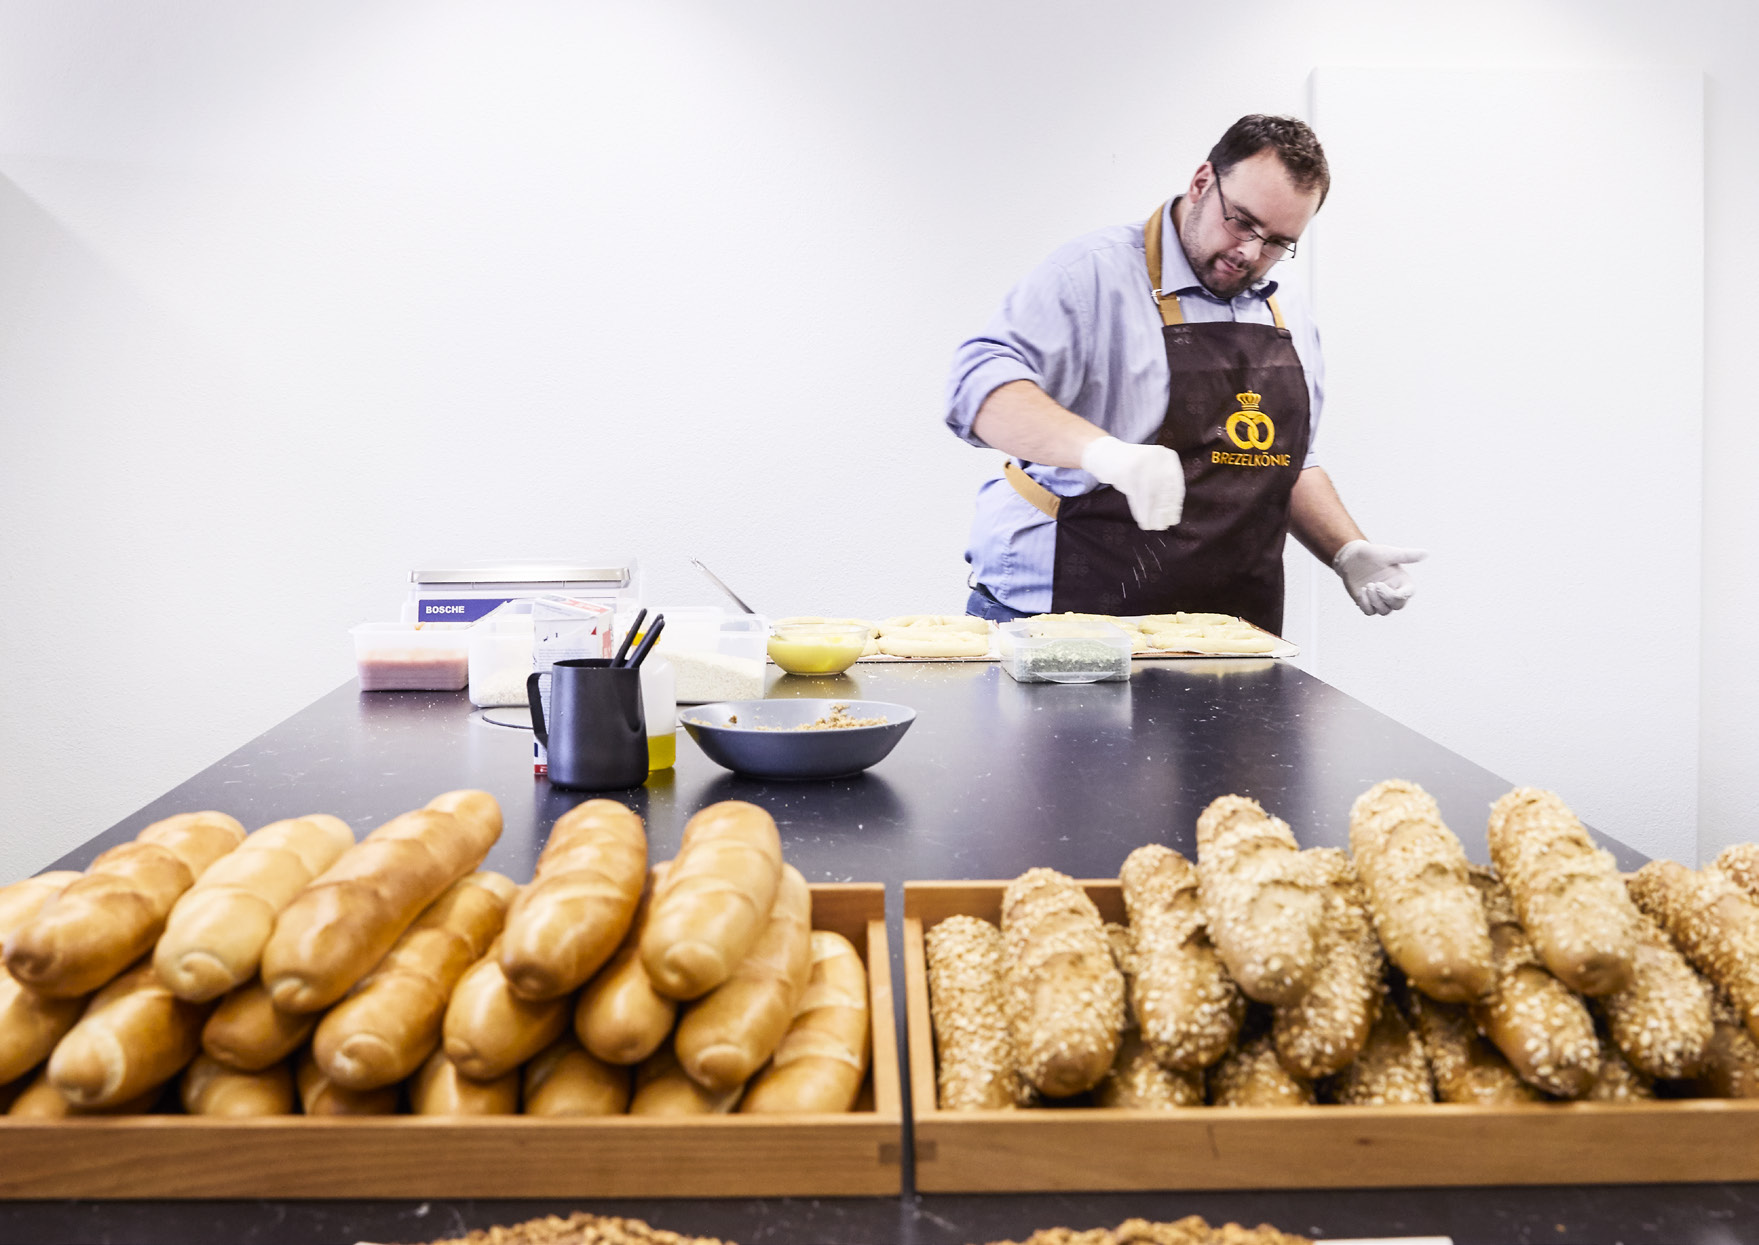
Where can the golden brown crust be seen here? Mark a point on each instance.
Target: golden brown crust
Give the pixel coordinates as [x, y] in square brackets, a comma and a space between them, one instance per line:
[1566, 890]
[439, 1088]
[568, 922]
[1263, 916]
[1542, 1029]
[1414, 873]
[134, 1036]
[388, 1026]
[248, 1032]
[319, 1095]
[341, 925]
[104, 921]
[975, 1060]
[209, 1087]
[1740, 861]
[30, 1025]
[1137, 1079]
[1322, 1032]
[40, 1100]
[662, 1087]
[22, 900]
[215, 935]
[1250, 1075]
[621, 1018]
[1730, 1067]
[714, 900]
[488, 1030]
[822, 1060]
[1391, 1069]
[724, 1037]
[1188, 1008]
[1466, 1067]
[1713, 921]
[564, 1080]
[1618, 1081]
[1061, 989]
[1661, 1021]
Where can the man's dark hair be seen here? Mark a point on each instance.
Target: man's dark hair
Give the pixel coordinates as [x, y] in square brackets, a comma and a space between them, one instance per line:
[1295, 144]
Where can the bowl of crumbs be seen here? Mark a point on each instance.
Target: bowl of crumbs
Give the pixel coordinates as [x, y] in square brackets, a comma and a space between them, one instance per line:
[797, 739]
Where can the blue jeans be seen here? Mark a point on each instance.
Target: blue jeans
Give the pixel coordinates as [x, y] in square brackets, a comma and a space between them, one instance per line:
[982, 605]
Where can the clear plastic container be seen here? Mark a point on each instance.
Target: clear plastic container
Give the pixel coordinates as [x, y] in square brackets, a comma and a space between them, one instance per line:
[744, 635]
[1055, 650]
[500, 656]
[412, 657]
[659, 705]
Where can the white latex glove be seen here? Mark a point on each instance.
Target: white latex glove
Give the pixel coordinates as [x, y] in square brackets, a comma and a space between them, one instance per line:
[1374, 575]
[1151, 478]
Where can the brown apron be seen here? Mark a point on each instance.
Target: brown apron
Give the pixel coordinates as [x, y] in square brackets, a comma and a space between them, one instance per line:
[1237, 415]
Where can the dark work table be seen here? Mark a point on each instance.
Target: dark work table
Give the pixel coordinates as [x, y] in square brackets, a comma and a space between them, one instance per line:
[993, 778]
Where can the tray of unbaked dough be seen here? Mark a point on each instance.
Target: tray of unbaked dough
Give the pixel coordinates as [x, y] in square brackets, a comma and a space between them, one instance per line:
[1201, 635]
[940, 637]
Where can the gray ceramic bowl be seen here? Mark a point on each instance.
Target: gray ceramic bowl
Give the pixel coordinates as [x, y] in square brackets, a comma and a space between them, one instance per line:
[792, 753]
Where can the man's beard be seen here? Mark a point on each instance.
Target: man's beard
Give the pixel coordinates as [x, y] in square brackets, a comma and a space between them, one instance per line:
[1226, 287]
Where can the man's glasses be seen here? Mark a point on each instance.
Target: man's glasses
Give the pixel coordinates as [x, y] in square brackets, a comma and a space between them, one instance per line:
[1276, 250]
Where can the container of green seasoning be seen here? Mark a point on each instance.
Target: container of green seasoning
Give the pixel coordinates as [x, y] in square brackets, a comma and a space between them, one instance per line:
[1065, 650]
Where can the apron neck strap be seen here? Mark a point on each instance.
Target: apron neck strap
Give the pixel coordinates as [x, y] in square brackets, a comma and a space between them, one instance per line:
[1166, 301]
[1169, 302]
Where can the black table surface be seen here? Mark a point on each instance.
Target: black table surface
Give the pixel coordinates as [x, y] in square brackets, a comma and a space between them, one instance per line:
[993, 778]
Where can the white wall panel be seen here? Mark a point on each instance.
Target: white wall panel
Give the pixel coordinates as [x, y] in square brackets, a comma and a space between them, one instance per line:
[1509, 279]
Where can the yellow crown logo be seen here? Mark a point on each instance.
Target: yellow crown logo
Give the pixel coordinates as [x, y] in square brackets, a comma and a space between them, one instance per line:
[1248, 400]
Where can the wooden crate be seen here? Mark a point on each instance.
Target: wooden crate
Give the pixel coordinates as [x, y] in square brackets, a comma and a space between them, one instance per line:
[1090, 1148]
[172, 1156]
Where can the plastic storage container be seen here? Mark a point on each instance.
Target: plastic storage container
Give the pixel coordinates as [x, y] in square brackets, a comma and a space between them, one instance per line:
[465, 593]
[1054, 650]
[500, 656]
[659, 705]
[412, 657]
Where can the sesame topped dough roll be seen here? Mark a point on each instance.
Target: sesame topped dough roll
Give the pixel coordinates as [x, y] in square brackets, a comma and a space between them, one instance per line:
[1322, 1032]
[1740, 861]
[1618, 1081]
[1264, 915]
[1566, 890]
[1713, 921]
[1061, 989]
[1250, 1075]
[1137, 1079]
[1425, 911]
[1391, 1069]
[1467, 1069]
[1187, 1006]
[1661, 1021]
[1543, 1030]
[1730, 1068]
[976, 1066]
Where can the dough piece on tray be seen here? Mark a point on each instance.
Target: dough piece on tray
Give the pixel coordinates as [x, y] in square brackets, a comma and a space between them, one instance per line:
[1232, 636]
[934, 635]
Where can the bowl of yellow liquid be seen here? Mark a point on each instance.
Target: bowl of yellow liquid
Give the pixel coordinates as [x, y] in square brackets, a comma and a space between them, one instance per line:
[817, 648]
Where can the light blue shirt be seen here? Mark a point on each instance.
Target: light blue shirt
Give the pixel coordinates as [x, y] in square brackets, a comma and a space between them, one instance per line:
[1083, 326]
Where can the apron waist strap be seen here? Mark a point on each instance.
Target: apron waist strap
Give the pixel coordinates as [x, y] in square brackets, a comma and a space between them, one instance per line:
[1036, 494]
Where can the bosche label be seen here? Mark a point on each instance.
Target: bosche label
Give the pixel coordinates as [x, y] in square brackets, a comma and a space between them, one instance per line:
[456, 609]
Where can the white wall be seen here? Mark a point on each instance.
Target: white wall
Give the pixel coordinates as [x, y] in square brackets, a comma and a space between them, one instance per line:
[295, 296]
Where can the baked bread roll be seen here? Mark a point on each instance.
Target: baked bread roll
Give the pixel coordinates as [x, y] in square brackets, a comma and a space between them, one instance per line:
[563, 1079]
[1660, 1021]
[1567, 892]
[1425, 911]
[1467, 1069]
[1187, 1006]
[975, 1061]
[724, 1037]
[621, 1018]
[822, 1060]
[439, 1088]
[22, 900]
[1264, 915]
[40, 1100]
[247, 1032]
[1322, 1032]
[1391, 1069]
[1740, 861]
[1250, 1075]
[1618, 1081]
[1730, 1067]
[319, 1095]
[566, 924]
[209, 1087]
[215, 935]
[341, 925]
[30, 1025]
[1061, 991]
[1136, 1079]
[662, 1087]
[390, 1024]
[714, 900]
[488, 1030]
[134, 1036]
[1713, 921]
[105, 920]
[1543, 1030]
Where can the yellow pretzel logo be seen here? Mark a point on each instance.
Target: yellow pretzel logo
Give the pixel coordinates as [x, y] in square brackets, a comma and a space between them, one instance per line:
[1255, 423]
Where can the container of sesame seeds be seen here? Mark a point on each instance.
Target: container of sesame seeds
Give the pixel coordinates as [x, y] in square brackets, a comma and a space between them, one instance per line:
[1076, 1146]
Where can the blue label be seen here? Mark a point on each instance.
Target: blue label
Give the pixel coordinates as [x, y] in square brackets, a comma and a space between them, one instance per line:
[467, 609]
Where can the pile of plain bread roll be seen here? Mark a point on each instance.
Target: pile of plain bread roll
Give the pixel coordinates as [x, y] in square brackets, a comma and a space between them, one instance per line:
[1396, 973]
[295, 969]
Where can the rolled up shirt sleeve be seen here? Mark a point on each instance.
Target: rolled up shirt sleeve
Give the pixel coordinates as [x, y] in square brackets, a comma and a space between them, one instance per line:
[1037, 335]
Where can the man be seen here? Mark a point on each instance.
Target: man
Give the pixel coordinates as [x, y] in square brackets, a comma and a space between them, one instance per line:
[1163, 406]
